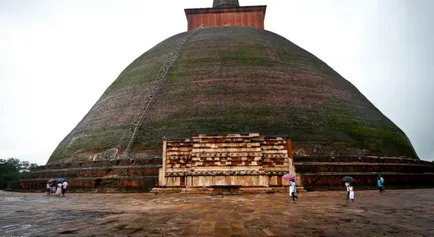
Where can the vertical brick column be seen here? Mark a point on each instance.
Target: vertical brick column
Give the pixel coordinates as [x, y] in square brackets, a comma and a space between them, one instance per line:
[290, 157]
[162, 171]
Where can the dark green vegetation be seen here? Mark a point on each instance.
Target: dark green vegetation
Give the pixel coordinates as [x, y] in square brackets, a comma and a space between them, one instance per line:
[11, 169]
[235, 80]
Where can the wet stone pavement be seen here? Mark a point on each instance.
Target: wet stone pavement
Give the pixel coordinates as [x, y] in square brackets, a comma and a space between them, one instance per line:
[395, 213]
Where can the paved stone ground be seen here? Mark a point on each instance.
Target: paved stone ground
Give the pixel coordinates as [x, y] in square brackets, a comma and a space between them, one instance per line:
[396, 213]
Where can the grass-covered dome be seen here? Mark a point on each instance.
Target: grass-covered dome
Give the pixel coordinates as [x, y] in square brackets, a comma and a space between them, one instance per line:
[235, 80]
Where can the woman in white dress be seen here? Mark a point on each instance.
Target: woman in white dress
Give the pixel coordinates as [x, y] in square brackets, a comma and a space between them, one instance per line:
[59, 189]
[351, 189]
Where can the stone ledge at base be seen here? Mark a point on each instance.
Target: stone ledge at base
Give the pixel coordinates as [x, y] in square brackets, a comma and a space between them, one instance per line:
[286, 189]
[226, 190]
[213, 191]
[157, 190]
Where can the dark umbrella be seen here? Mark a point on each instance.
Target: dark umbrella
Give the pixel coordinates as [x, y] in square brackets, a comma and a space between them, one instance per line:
[348, 179]
[52, 180]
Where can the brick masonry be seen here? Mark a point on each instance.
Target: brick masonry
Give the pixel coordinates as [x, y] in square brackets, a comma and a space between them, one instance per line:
[246, 160]
[252, 16]
[139, 174]
[325, 172]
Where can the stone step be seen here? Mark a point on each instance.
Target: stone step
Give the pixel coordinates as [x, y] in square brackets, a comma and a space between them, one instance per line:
[286, 189]
[157, 190]
[301, 189]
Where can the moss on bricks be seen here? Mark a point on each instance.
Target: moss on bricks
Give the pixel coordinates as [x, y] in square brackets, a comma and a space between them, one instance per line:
[232, 80]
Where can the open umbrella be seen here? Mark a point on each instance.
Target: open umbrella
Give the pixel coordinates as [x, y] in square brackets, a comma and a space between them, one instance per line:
[288, 177]
[348, 179]
[61, 180]
[52, 180]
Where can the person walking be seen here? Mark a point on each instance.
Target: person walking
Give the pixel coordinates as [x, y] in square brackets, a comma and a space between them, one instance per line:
[64, 186]
[59, 189]
[347, 184]
[48, 189]
[292, 189]
[351, 192]
[382, 182]
[53, 188]
[380, 185]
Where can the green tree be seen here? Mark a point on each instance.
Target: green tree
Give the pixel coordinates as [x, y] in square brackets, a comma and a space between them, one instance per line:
[32, 166]
[11, 168]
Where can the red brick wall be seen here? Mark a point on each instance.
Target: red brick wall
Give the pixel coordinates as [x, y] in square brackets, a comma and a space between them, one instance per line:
[252, 19]
[139, 174]
[319, 173]
[211, 17]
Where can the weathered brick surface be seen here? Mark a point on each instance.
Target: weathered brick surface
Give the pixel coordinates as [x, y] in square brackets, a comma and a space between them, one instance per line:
[93, 184]
[115, 175]
[211, 17]
[217, 151]
[235, 80]
[367, 181]
[248, 160]
[322, 172]
[249, 157]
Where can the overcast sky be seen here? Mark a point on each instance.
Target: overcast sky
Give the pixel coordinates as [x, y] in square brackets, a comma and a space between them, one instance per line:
[58, 56]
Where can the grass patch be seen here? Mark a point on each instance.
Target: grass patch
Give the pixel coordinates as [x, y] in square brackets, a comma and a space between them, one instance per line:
[245, 57]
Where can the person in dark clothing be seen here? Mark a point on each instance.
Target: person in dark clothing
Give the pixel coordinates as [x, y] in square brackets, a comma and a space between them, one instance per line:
[347, 184]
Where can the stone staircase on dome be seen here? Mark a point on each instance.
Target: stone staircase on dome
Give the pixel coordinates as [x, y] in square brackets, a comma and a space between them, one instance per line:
[160, 80]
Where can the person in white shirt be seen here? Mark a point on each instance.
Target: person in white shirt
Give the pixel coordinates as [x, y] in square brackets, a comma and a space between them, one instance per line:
[351, 192]
[64, 186]
[292, 189]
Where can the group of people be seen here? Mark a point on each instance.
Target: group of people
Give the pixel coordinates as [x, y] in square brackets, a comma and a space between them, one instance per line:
[58, 189]
[350, 188]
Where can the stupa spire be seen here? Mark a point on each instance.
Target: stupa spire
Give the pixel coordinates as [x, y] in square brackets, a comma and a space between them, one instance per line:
[226, 13]
[225, 3]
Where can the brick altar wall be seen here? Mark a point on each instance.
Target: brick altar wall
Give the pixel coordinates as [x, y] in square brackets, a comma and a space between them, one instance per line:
[248, 160]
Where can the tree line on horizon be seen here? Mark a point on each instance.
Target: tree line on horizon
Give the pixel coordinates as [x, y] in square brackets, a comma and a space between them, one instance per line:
[10, 170]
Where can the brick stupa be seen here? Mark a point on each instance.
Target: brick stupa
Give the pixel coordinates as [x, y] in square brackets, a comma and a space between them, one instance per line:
[237, 105]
